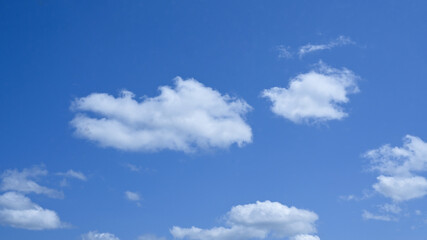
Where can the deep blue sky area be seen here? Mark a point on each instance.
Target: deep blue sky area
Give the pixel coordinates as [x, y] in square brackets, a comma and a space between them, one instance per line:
[54, 52]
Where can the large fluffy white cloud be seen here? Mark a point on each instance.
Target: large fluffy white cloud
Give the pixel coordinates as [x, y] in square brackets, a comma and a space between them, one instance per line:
[257, 221]
[94, 235]
[14, 180]
[17, 210]
[314, 96]
[184, 118]
[399, 168]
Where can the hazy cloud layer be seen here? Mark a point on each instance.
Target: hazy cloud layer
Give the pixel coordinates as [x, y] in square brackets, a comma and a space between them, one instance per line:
[314, 96]
[185, 118]
[257, 221]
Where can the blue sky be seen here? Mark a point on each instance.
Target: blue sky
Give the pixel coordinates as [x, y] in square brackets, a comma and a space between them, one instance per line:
[272, 121]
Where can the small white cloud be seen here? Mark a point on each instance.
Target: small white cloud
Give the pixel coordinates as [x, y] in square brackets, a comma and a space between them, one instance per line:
[94, 235]
[150, 237]
[188, 117]
[398, 166]
[73, 174]
[13, 180]
[19, 211]
[314, 96]
[257, 221]
[132, 196]
[370, 216]
[401, 188]
[340, 41]
[418, 212]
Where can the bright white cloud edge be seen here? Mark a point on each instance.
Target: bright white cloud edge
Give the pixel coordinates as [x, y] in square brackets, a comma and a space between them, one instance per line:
[188, 117]
[257, 221]
[18, 211]
[314, 96]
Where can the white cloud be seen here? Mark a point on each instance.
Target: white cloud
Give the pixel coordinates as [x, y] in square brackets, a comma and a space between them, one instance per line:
[398, 167]
[401, 188]
[150, 237]
[315, 95]
[73, 174]
[400, 161]
[13, 180]
[94, 235]
[185, 118]
[17, 210]
[340, 41]
[370, 216]
[257, 221]
[305, 237]
[132, 196]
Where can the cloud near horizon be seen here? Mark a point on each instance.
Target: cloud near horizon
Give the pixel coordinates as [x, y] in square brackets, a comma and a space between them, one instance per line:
[188, 117]
[314, 96]
[257, 221]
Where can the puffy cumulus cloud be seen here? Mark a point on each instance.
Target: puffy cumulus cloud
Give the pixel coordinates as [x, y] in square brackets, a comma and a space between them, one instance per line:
[17, 210]
[14, 180]
[73, 174]
[401, 188]
[185, 118]
[314, 96]
[257, 221]
[150, 237]
[94, 235]
[401, 161]
[399, 167]
[308, 48]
